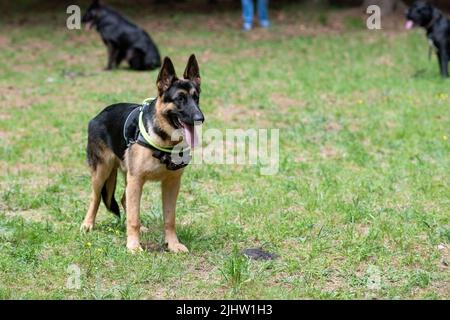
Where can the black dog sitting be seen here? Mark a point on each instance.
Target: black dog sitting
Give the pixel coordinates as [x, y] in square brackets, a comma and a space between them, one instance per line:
[437, 26]
[123, 39]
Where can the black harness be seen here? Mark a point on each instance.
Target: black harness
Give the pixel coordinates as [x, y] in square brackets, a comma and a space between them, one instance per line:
[132, 134]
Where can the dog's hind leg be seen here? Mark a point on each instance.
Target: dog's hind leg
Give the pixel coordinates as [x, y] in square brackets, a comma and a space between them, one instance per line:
[99, 176]
[120, 56]
[152, 61]
[113, 53]
[123, 200]
[136, 60]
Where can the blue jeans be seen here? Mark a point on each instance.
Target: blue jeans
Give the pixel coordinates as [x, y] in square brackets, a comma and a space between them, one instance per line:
[248, 12]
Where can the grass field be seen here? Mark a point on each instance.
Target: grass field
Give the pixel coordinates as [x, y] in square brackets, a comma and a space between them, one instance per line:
[361, 196]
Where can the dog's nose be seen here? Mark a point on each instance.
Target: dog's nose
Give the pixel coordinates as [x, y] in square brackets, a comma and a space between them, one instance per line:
[198, 117]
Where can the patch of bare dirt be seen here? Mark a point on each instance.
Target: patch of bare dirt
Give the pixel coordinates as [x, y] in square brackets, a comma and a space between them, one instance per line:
[333, 126]
[238, 113]
[4, 41]
[35, 46]
[334, 282]
[29, 215]
[153, 247]
[4, 116]
[385, 60]
[302, 157]
[18, 168]
[4, 135]
[329, 152]
[15, 97]
[285, 103]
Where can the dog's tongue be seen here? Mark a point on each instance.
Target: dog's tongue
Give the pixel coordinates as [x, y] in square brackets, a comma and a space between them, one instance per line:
[409, 24]
[190, 134]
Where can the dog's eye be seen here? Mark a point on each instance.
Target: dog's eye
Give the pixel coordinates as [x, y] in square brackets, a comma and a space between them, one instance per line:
[181, 98]
[196, 98]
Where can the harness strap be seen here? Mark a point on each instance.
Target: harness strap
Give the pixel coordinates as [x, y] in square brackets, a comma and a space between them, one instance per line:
[141, 136]
[130, 140]
[143, 132]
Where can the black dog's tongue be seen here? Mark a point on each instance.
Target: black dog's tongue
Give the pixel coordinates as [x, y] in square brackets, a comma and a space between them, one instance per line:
[409, 24]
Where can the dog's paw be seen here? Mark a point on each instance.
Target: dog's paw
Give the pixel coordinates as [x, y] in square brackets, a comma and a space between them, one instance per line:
[134, 247]
[177, 247]
[86, 227]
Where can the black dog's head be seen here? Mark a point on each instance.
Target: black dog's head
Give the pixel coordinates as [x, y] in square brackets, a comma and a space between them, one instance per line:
[179, 99]
[422, 14]
[92, 14]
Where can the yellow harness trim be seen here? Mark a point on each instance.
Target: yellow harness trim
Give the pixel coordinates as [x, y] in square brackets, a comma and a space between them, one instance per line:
[146, 135]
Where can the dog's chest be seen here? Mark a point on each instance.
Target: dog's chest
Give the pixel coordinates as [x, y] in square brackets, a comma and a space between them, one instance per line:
[439, 40]
[139, 161]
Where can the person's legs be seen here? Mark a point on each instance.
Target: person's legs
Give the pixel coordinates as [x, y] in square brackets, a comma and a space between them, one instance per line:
[247, 13]
[263, 13]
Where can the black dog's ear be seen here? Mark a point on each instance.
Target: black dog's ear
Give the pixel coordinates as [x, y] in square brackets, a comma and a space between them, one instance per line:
[166, 76]
[192, 71]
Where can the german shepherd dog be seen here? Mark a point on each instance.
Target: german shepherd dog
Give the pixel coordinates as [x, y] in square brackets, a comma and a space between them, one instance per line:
[123, 39]
[437, 26]
[175, 108]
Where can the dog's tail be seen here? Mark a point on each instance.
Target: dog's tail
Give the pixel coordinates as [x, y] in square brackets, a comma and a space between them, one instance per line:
[108, 191]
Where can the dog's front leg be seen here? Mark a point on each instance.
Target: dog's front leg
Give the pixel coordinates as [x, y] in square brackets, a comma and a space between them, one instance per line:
[133, 201]
[443, 60]
[112, 56]
[170, 188]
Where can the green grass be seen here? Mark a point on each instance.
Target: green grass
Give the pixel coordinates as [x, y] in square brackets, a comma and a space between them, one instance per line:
[362, 186]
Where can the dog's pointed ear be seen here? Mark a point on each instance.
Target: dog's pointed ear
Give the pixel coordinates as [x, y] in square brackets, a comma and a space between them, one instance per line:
[192, 71]
[166, 76]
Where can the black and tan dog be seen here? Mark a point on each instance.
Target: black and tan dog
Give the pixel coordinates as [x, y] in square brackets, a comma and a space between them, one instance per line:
[139, 140]
[437, 26]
